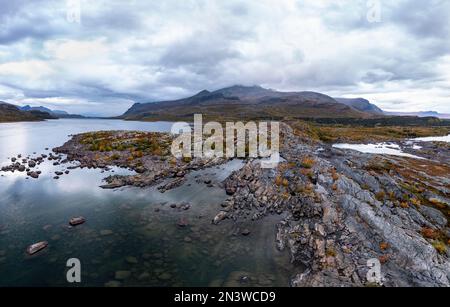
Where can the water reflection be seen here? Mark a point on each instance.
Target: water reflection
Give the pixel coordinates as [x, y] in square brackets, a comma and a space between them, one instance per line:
[131, 236]
[434, 139]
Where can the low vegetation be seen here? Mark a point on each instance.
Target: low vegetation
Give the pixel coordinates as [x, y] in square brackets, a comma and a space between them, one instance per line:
[440, 247]
[137, 143]
[308, 162]
[10, 113]
[360, 134]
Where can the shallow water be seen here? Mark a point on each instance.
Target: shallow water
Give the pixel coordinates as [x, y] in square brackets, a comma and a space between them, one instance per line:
[392, 148]
[128, 229]
[380, 148]
[434, 139]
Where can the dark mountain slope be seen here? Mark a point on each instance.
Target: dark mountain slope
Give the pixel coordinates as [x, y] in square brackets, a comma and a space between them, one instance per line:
[241, 102]
[11, 113]
[361, 104]
[54, 113]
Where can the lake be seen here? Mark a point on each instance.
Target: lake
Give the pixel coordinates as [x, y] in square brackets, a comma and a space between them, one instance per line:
[131, 237]
[379, 148]
[434, 139]
[393, 149]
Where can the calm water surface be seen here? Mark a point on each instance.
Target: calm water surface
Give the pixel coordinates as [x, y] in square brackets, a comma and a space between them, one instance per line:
[129, 229]
[434, 139]
[392, 148]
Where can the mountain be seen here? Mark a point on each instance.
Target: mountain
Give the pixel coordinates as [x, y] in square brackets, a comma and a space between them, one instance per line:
[60, 112]
[361, 104]
[12, 113]
[56, 113]
[244, 103]
[420, 114]
[41, 109]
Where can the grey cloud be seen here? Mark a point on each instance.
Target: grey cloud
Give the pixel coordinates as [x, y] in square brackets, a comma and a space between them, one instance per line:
[10, 9]
[239, 9]
[114, 17]
[201, 52]
[376, 76]
[30, 19]
[227, 42]
[425, 19]
[34, 27]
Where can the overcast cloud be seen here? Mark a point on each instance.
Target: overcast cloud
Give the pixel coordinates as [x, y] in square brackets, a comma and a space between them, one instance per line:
[139, 51]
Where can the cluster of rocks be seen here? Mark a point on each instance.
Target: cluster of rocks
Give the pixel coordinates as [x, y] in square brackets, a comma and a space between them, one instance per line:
[29, 164]
[438, 151]
[20, 164]
[150, 169]
[184, 206]
[174, 183]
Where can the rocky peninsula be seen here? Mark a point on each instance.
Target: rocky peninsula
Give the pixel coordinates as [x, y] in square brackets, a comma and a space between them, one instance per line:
[146, 153]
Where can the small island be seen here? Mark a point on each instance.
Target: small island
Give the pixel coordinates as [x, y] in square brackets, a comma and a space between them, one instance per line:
[146, 153]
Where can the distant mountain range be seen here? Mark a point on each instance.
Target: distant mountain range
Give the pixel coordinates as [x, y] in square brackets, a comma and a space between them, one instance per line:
[420, 114]
[234, 103]
[56, 113]
[42, 109]
[12, 113]
[252, 102]
[361, 104]
[255, 102]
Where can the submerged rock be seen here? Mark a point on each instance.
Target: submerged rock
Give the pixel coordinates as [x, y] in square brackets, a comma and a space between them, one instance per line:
[219, 217]
[144, 276]
[113, 284]
[165, 276]
[106, 232]
[37, 247]
[77, 221]
[122, 275]
[131, 260]
[245, 232]
[182, 222]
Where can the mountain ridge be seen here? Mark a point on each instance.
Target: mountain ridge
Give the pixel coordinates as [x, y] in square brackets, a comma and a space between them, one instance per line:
[12, 113]
[246, 102]
[361, 104]
[56, 113]
[420, 114]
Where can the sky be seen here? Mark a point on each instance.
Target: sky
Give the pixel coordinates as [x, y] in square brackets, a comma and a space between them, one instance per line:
[394, 53]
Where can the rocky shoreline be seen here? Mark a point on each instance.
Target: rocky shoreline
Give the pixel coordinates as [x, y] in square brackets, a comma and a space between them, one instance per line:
[347, 207]
[342, 207]
[436, 151]
[128, 150]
